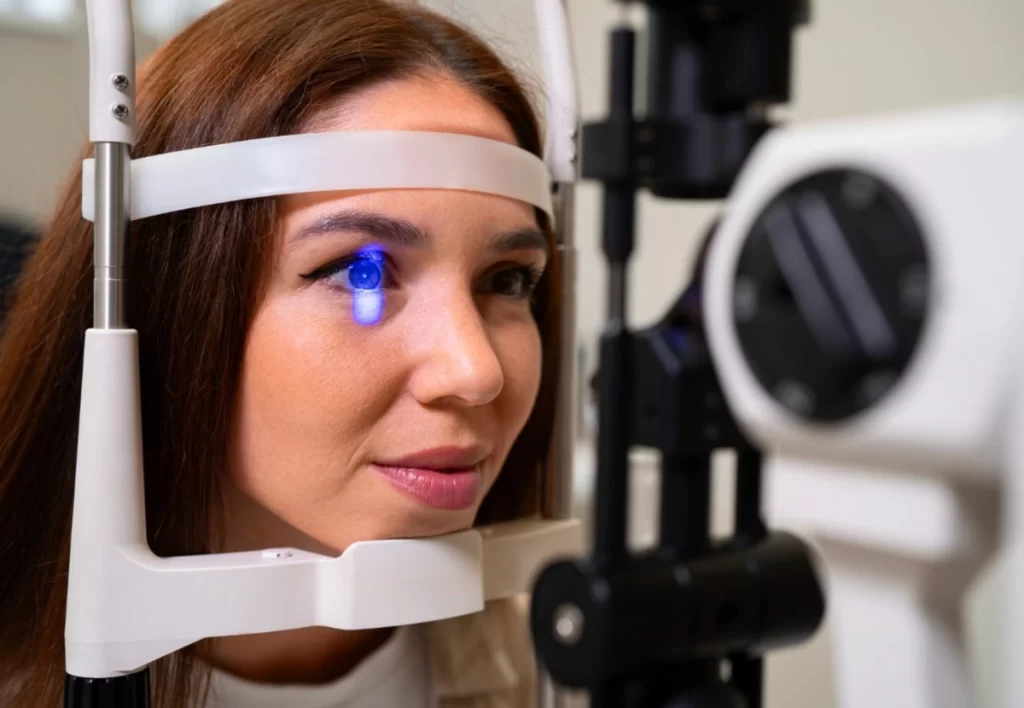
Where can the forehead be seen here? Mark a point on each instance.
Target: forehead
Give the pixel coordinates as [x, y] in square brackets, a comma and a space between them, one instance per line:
[432, 103]
[427, 102]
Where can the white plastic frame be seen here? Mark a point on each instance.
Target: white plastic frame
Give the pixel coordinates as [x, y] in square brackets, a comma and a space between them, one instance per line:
[317, 162]
[906, 498]
[127, 607]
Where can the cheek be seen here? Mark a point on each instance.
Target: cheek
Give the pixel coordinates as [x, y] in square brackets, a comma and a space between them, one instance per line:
[519, 349]
[309, 393]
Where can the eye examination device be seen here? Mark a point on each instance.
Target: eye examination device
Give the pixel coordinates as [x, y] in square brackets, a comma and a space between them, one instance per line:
[862, 299]
[126, 606]
[848, 335]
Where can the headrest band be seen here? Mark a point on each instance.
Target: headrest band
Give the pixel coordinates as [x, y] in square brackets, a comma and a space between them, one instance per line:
[318, 162]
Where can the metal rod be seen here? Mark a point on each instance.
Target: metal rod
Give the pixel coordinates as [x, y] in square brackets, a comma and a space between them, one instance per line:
[111, 234]
[685, 504]
[556, 500]
[617, 277]
[748, 678]
[614, 435]
[749, 522]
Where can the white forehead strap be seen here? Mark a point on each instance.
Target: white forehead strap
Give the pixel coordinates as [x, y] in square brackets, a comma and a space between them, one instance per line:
[320, 162]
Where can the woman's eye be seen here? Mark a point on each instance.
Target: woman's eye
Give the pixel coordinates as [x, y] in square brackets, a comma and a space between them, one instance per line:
[363, 272]
[516, 283]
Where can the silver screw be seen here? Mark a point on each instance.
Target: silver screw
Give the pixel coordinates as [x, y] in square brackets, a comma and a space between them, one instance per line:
[877, 385]
[120, 111]
[859, 191]
[276, 554]
[120, 82]
[568, 624]
[914, 291]
[745, 304]
[795, 396]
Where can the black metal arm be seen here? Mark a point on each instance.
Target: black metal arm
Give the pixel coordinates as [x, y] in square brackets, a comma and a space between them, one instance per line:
[685, 624]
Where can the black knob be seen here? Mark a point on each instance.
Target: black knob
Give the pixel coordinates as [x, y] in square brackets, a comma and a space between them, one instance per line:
[128, 691]
[831, 294]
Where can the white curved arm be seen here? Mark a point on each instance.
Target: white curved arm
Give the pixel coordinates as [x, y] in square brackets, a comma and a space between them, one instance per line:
[560, 80]
[135, 607]
[111, 54]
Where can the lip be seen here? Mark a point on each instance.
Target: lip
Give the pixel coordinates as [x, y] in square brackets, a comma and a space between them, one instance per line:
[440, 458]
[448, 489]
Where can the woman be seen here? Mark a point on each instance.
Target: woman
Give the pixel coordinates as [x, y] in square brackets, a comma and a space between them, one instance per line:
[270, 416]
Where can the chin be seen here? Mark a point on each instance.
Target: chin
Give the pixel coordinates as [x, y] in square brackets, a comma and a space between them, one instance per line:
[402, 523]
[425, 523]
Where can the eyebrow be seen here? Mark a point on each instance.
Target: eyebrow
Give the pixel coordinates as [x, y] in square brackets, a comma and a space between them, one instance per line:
[400, 232]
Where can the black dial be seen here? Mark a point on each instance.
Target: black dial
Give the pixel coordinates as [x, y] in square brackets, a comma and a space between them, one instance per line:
[831, 294]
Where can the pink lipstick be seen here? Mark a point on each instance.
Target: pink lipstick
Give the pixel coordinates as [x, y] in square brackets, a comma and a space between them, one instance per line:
[446, 478]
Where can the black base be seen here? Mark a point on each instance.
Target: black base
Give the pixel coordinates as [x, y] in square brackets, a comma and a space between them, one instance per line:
[131, 691]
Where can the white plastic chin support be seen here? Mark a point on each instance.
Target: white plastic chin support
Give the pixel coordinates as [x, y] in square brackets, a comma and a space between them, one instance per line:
[905, 498]
[127, 607]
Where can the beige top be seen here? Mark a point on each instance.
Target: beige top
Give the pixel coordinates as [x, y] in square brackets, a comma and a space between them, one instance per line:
[397, 674]
[478, 661]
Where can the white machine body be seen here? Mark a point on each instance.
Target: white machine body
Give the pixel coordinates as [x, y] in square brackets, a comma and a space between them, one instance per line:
[904, 497]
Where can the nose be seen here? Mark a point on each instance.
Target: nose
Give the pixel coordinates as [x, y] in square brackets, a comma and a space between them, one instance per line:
[456, 363]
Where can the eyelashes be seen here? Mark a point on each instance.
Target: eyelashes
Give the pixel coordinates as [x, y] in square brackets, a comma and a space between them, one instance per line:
[364, 271]
[517, 282]
[372, 271]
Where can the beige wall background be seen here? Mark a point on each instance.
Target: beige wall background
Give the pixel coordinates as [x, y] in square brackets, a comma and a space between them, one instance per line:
[858, 56]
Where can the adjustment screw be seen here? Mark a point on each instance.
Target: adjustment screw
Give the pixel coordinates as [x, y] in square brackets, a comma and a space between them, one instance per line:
[120, 111]
[859, 191]
[876, 385]
[277, 554]
[914, 291]
[795, 396]
[120, 82]
[568, 624]
[745, 305]
[683, 576]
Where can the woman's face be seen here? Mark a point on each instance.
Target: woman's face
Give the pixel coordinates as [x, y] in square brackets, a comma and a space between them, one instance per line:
[394, 359]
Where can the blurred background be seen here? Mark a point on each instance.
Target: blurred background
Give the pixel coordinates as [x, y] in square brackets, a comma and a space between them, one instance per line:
[856, 57]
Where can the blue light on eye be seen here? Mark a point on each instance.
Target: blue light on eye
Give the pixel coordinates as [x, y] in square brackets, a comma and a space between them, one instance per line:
[365, 276]
[367, 306]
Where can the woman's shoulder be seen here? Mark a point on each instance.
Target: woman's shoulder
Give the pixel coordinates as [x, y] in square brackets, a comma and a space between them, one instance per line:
[484, 660]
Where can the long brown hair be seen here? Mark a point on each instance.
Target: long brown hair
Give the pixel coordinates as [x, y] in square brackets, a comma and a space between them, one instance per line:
[249, 69]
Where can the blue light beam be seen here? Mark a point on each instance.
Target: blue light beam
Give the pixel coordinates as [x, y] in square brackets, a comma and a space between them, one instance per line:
[366, 277]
